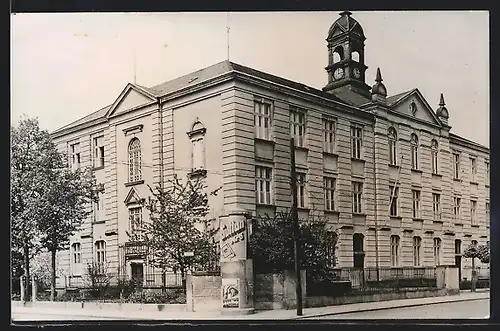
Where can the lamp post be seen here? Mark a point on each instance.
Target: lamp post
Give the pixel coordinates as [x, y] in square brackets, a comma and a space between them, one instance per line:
[188, 256]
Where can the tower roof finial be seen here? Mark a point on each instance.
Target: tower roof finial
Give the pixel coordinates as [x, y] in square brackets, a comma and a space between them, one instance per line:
[441, 100]
[345, 12]
[378, 79]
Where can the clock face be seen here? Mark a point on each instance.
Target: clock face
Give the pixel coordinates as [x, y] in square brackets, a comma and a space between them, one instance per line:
[356, 73]
[338, 73]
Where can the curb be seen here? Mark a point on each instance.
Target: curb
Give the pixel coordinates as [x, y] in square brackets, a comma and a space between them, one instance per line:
[387, 308]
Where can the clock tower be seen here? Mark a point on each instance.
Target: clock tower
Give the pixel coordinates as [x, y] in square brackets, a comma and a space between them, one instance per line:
[346, 68]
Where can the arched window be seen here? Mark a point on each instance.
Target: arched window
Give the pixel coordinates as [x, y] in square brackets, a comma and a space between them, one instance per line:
[76, 258]
[434, 156]
[355, 56]
[437, 251]
[392, 135]
[394, 251]
[417, 245]
[414, 151]
[358, 251]
[134, 156]
[197, 136]
[338, 54]
[458, 247]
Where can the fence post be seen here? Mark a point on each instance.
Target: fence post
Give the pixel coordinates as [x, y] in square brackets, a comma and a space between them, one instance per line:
[34, 289]
[23, 292]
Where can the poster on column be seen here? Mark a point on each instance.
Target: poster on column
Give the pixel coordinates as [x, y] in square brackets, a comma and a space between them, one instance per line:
[230, 293]
[233, 238]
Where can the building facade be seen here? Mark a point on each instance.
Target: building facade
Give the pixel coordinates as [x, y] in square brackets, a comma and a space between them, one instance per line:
[387, 173]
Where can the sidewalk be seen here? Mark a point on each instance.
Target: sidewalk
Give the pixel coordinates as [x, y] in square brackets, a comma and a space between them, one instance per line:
[259, 315]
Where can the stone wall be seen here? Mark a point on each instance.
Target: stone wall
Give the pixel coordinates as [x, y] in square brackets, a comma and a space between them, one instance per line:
[203, 292]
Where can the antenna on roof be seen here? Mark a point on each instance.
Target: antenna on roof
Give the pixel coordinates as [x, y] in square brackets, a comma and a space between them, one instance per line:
[135, 67]
[227, 32]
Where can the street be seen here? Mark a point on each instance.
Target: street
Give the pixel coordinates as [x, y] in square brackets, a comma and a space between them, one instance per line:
[476, 309]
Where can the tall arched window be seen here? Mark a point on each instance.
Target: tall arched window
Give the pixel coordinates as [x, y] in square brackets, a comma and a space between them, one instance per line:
[358, 251]
[100, 254]
[338, 54]
[134, 157]
[76, 259]
[355, 56]
[414, 151]
[434, 156]
[392, 135]
[197, 136]
[394, 251]
[417, 245]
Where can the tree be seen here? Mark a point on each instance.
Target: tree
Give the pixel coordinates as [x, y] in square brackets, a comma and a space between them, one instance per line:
[272, 244]
[62, 207]
[482, 252]
[177, 223]
[32, 153]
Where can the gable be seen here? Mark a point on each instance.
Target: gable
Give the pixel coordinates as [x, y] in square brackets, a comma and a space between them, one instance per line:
[415, 101]
[131, 99]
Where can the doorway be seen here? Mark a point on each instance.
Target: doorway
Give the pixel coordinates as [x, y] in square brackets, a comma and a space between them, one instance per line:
[137, 271]
[458, 258]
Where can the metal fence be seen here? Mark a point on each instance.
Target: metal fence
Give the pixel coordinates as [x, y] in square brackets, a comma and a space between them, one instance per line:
[347, 281]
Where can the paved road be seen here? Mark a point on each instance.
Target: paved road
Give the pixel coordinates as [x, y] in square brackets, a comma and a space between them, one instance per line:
[477, 309]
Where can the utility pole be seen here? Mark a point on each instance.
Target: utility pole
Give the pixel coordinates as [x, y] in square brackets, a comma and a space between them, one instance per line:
[295, 216]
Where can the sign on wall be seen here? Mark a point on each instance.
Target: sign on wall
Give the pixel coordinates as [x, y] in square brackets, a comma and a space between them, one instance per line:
[234, 239]
[230, 293]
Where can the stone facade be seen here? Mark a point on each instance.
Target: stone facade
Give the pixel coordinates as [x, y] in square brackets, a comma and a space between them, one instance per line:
[225, 101]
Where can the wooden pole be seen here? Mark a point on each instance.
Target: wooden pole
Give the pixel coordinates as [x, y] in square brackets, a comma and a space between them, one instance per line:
[295, 216]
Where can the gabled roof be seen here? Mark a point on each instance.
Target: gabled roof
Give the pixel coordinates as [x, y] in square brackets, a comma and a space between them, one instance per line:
[101, 113]
[468, 143]
[393, 101]
[130, 86]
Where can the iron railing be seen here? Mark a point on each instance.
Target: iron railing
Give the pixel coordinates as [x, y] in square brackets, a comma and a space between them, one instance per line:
[346, 281]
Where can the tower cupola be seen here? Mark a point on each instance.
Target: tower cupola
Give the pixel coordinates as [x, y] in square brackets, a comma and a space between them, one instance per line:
[442, 112]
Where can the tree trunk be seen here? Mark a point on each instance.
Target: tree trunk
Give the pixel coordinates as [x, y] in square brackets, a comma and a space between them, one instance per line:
[26, 272]
[183, 276]
[473, 276]
[53, 276]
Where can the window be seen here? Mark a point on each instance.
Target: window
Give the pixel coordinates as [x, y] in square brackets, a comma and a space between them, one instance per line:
[392, 146]
[416, 204]
[263, 187]
[473, 169]
[134, 160]
[97, 208]
[414, 151]
[77, 257]
[135, 226]
[75, 156]
[437, 251]
[357, 248]
[301, 189]
[298, 127]
[394, 251]
[456, 208]
[98, 145]
[487, 207]
[434, 156]
[417, 244]
[487, 165]
[328, 136]
[436, 208]
[100, 250]
[474, 243]
[458, 247]
[473, 205]
[331, 238]
[456, 165]
[357, 197]
[356, 141]
[329, 188]
[262, 120]
[393, 191]
[198, 153]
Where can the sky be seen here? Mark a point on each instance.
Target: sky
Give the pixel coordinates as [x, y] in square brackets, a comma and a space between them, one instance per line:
[68, 65]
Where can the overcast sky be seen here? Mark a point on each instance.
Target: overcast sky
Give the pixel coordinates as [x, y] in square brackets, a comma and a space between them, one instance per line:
[65, 66]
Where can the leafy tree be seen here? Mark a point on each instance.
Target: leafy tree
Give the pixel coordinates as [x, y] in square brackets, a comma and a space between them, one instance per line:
[32, 153]
[481, 252]
[97, 278]
[62, 207]
[40, 265]
[272, 244]
[177, 225]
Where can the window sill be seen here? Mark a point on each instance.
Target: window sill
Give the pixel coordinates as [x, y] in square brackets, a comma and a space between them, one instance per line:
[301, 148]
[437, 175]
[395, 217]
[474, 225]
[358, 160]
[457, 179]
[269, 205]
[76, 276]
[473, 182]
[197, 173]
[395, 166]
[267, 141]
[331, 212]
[418, 220]
[459, 224]
[98, 168]
[303, 209]
[417, 170]
[137, 182]
[437, 221]
[486, 185]
[98, 222]
[358, 214]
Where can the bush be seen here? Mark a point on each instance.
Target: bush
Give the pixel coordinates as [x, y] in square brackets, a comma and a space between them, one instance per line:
[169, 297]
[68, 296]
[481, 283]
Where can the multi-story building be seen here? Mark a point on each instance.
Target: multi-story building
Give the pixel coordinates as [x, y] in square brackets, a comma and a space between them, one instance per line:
[386, 171]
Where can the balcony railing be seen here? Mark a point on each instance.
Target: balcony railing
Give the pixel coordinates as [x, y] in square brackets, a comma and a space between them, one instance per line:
[135, 249]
